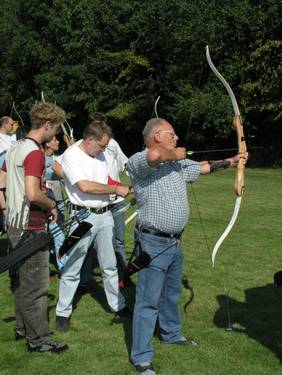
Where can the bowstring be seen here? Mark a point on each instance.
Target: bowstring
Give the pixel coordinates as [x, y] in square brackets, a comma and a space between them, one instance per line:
[186, 280]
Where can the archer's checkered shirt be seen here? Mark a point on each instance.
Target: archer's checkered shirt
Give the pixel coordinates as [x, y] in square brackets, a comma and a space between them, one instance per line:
[161, 192]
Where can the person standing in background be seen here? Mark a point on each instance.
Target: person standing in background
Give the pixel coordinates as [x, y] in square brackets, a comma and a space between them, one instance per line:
[53, 178]
[6, 140]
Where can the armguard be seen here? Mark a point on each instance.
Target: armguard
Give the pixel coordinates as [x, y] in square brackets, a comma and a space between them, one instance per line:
[218, 165]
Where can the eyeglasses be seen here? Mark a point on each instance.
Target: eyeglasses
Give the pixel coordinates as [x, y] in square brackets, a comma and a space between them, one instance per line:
[102, 147]
[173, 135]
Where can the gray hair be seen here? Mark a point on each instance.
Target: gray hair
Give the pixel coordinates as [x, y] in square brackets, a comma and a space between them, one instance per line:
[151, 127]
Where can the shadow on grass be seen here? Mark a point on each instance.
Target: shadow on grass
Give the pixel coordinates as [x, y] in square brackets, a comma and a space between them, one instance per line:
[96, 291]
[126, 322]
[129, 294]
[3, 246]
[258, 317]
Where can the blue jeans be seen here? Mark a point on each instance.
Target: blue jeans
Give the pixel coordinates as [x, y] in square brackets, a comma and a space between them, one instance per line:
[101, 235]
[2, 158]
[119, 230]
[158, 290]
[58, 234]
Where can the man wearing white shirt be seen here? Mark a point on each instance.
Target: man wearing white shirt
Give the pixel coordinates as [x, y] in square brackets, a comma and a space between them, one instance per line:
[86, 177]
[116, 161]
[6, 140]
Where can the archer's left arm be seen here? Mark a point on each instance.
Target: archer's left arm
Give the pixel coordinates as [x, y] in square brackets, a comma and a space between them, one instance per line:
[2, 189]
[210, 166]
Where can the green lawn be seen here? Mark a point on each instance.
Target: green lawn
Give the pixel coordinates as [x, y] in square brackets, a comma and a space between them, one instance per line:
[99, 342]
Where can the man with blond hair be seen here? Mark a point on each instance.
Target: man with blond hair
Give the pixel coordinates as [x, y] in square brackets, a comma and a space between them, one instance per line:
[27, 210]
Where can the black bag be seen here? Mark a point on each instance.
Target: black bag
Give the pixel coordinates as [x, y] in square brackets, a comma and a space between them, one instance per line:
[28, 245]
[76, 235]
[141, 261]
[135, 265]
[278, 278]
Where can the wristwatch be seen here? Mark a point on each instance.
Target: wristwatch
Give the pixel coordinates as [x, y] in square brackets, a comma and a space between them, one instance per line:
[53, 204]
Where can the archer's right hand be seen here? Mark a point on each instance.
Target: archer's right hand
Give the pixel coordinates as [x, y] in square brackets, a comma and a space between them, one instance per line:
[54, 214]
[122, 190]
[180, 153]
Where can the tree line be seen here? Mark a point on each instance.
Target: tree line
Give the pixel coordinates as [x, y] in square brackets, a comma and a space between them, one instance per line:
[118, 56]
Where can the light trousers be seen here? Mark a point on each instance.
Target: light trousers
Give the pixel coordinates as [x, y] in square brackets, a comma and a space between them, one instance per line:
[101, 237]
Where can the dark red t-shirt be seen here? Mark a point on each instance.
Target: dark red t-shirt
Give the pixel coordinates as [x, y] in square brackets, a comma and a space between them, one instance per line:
[34, 165]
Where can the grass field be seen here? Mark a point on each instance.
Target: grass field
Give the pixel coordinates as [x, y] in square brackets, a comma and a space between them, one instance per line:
[100, 343]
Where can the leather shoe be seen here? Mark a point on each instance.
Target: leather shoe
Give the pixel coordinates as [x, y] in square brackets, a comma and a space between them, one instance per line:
[19, 336]
[124, 313]
[185, 341]
[145, 369]
[49, 346]
[62, 323]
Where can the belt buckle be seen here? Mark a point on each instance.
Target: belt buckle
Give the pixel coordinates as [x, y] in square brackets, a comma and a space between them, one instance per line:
[98, 210]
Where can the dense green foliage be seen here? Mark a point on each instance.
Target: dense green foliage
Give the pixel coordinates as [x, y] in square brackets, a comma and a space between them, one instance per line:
[119, 56]
[245, 264]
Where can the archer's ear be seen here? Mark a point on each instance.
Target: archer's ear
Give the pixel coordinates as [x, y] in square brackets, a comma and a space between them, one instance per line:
[46, 125]
[89, 139]
[157, 137]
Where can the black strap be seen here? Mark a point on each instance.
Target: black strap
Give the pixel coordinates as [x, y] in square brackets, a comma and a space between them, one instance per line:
[37, 144]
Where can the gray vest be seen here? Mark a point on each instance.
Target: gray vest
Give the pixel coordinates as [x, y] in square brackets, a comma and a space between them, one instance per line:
[17, 205]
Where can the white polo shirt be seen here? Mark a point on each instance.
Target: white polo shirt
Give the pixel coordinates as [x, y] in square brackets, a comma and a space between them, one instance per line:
[78, 166]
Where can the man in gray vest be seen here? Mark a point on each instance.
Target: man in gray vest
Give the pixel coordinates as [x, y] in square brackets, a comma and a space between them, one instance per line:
[27, 209]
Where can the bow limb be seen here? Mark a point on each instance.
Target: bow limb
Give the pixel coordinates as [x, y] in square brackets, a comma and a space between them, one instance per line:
[67, 135]
[227, 230]
[156, 107]
[242, 148]
[42, 97]
[68, 138]
[19, 116]
[224, 82]
[131, 217]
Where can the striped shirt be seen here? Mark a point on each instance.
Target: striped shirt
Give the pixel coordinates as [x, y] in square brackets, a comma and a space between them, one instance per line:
[161, 192]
